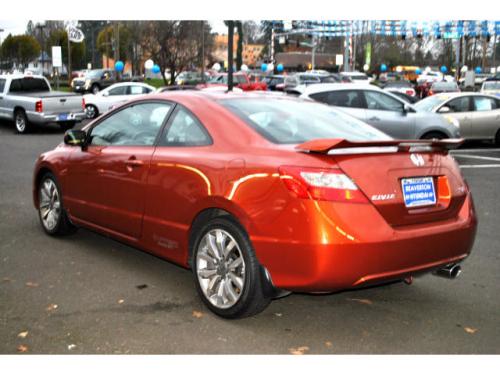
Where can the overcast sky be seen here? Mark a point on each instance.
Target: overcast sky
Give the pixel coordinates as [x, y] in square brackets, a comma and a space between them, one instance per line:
[19, 26]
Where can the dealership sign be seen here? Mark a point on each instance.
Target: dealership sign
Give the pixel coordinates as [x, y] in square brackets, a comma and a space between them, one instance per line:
[75, 35]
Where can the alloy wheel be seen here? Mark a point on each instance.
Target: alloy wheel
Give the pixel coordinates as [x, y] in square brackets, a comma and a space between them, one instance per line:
[220, 268]
[20, 123]
[50, 204]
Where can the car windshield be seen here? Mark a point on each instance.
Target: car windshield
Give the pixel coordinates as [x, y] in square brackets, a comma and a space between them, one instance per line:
[286, 121]
[492, 85]
[94, 74]
[430, 103]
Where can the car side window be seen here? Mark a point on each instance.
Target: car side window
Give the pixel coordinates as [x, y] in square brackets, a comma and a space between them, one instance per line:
[135, 90]
[382, 102]
[136, 125]
[185, 130]
[482, 103]
[459, 104]
[15, 85]
[2, 85]
[120, 90]
[341, 98]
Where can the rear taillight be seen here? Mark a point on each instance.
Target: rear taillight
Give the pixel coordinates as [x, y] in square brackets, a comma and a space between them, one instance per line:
[430, 93]
[83, 104]
[321, 184]
[39, 106]
[444, 191]
[410, 92]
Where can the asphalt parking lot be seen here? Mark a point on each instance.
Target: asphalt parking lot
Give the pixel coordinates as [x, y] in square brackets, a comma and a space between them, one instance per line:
[89, 294]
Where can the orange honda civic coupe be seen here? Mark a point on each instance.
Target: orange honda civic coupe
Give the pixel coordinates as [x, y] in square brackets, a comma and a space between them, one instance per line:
[260, 195]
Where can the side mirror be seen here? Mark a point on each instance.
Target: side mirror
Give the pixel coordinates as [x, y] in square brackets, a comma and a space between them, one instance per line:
[444, 109]
[75, 138]
[406, 108]
[105, 93]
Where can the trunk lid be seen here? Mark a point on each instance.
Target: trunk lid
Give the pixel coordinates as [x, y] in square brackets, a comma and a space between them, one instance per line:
[378, 168]
[60, 103]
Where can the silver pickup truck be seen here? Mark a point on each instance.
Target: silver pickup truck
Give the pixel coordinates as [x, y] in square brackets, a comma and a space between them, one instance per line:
[28, 101]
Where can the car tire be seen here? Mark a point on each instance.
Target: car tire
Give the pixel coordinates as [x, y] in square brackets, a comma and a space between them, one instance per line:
[91, 111]
[67, 125]
[95, 89]
[21, 122]
[53, 216]
[434, 135]
[497, 138]
[228, 276]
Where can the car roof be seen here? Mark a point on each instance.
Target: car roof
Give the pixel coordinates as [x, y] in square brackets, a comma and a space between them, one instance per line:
[322, 87]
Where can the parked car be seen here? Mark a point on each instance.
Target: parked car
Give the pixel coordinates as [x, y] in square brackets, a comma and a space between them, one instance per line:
[259, 195]
[191, 78]
[443, 86]
[384, 111]
[478, 114]
[405, 87]
[407, 98]
[491, 88]
[274, 82]
[103, 101]
[94, 81]
[29, 101]
[240, 81]
[295, 83]
[357, 77]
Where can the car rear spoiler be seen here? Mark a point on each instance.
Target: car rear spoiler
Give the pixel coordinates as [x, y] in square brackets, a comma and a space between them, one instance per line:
[339, 146]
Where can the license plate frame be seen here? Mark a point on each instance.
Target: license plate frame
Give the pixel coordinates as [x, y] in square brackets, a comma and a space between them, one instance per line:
[418, 191]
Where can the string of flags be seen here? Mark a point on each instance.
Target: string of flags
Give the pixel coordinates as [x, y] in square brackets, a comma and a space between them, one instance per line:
[416, 29]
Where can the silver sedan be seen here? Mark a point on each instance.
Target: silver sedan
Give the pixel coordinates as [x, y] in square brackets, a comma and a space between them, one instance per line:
[478, 114]
[384, 111]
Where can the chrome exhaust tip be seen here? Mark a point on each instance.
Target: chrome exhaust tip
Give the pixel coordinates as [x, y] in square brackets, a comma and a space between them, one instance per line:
[451, 271]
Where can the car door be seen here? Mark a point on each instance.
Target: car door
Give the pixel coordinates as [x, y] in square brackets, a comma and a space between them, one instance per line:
[349, 101]
[178, 181]
[387, 113]
[106, 180]
[112, 97]
[485, 120]
[4, 112]
[461, 110]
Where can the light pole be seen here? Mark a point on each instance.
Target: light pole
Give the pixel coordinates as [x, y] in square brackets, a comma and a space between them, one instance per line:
[42, 37]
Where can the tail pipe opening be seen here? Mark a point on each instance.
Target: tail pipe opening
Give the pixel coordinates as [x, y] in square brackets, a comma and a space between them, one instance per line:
[451, 271]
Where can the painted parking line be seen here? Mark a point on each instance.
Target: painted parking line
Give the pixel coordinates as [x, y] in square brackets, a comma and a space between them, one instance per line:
[479, 166]
[476, 157]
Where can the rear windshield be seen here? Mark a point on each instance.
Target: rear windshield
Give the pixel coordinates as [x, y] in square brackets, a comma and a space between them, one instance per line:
[491, 85]
[399, 84]
[357, 77]
[29, 85]
[286, 121]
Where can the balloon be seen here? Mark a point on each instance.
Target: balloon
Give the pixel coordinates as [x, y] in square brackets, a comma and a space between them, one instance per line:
[280, 68]
[383, 68]
[399, 69]
[216, 67]
[156, 69]
[263, 67]
[418, 71]
[444, 69]
[464, 69]
[149, 64]
[366, 67]
[270, 67]
[478, 69]
[119, 66]
[244, 68]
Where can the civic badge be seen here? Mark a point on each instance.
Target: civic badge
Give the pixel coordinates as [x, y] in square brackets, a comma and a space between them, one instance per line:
[417, 159]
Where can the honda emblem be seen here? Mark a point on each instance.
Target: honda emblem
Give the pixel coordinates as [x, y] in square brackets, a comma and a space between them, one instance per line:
[417, 159]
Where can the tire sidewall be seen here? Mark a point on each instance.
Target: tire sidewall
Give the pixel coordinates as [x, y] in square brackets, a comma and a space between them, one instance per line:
[252, 280]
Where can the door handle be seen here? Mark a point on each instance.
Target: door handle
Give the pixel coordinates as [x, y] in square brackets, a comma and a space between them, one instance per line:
[133, 162]
[374, 118]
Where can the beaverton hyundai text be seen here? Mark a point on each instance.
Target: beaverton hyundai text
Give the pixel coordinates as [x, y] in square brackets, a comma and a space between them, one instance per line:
[260, 195]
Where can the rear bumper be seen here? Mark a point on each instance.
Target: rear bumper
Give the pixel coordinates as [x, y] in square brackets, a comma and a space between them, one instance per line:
[364, 252]
[42, 118]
